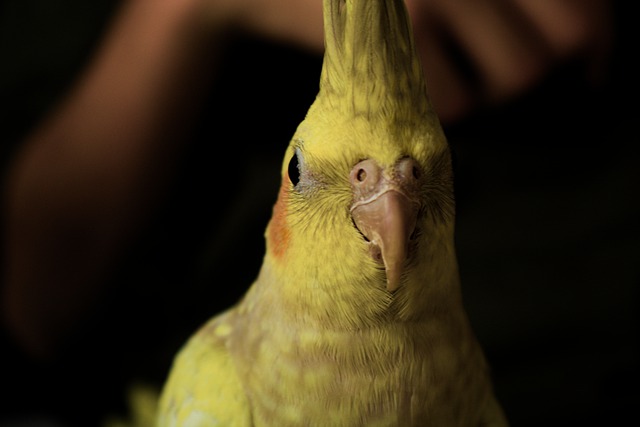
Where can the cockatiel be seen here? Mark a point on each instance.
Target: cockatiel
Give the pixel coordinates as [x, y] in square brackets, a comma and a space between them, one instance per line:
[355, 318]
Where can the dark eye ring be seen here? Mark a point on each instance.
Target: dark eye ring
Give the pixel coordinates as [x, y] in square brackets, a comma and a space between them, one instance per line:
[294, 169]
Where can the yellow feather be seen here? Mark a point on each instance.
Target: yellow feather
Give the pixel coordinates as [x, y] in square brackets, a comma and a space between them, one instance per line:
[143, 407]
[203, 388]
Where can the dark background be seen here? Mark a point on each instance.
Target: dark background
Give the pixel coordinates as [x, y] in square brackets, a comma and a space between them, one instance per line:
[548, 232]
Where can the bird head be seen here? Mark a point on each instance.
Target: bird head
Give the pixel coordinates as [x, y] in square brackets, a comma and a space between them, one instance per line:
[366, 196]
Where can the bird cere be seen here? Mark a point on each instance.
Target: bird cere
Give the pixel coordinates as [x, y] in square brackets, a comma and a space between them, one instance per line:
[356, 316]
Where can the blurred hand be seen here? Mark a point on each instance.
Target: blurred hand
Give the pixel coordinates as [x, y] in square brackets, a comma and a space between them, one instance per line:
[478, 53]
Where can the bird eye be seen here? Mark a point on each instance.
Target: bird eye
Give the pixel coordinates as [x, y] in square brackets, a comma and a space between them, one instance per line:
[294, 169]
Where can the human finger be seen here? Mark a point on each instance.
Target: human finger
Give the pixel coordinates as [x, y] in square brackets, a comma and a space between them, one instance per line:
[450, 92]
[573, 28]
[506, 51]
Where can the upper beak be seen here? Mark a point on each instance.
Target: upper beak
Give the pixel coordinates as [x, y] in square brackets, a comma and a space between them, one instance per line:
[385, 211]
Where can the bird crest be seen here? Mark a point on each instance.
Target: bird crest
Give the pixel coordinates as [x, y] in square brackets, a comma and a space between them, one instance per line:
[371, 66]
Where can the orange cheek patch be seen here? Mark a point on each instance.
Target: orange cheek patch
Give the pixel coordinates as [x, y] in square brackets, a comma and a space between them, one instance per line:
[278, 229]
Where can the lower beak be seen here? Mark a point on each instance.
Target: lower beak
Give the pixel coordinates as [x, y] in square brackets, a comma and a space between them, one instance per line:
[388, 221]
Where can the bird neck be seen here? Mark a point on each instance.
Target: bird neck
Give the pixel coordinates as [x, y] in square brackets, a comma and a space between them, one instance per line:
[430, 293]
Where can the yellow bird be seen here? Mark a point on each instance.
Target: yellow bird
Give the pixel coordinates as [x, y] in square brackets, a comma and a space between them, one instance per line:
[356, 317]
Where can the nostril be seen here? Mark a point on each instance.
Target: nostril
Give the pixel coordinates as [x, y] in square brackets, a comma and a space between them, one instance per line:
[416, 172]
[408, 169]
[366, 173]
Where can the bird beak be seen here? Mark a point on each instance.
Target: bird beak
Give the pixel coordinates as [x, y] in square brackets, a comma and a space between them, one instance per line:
[385, 211]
